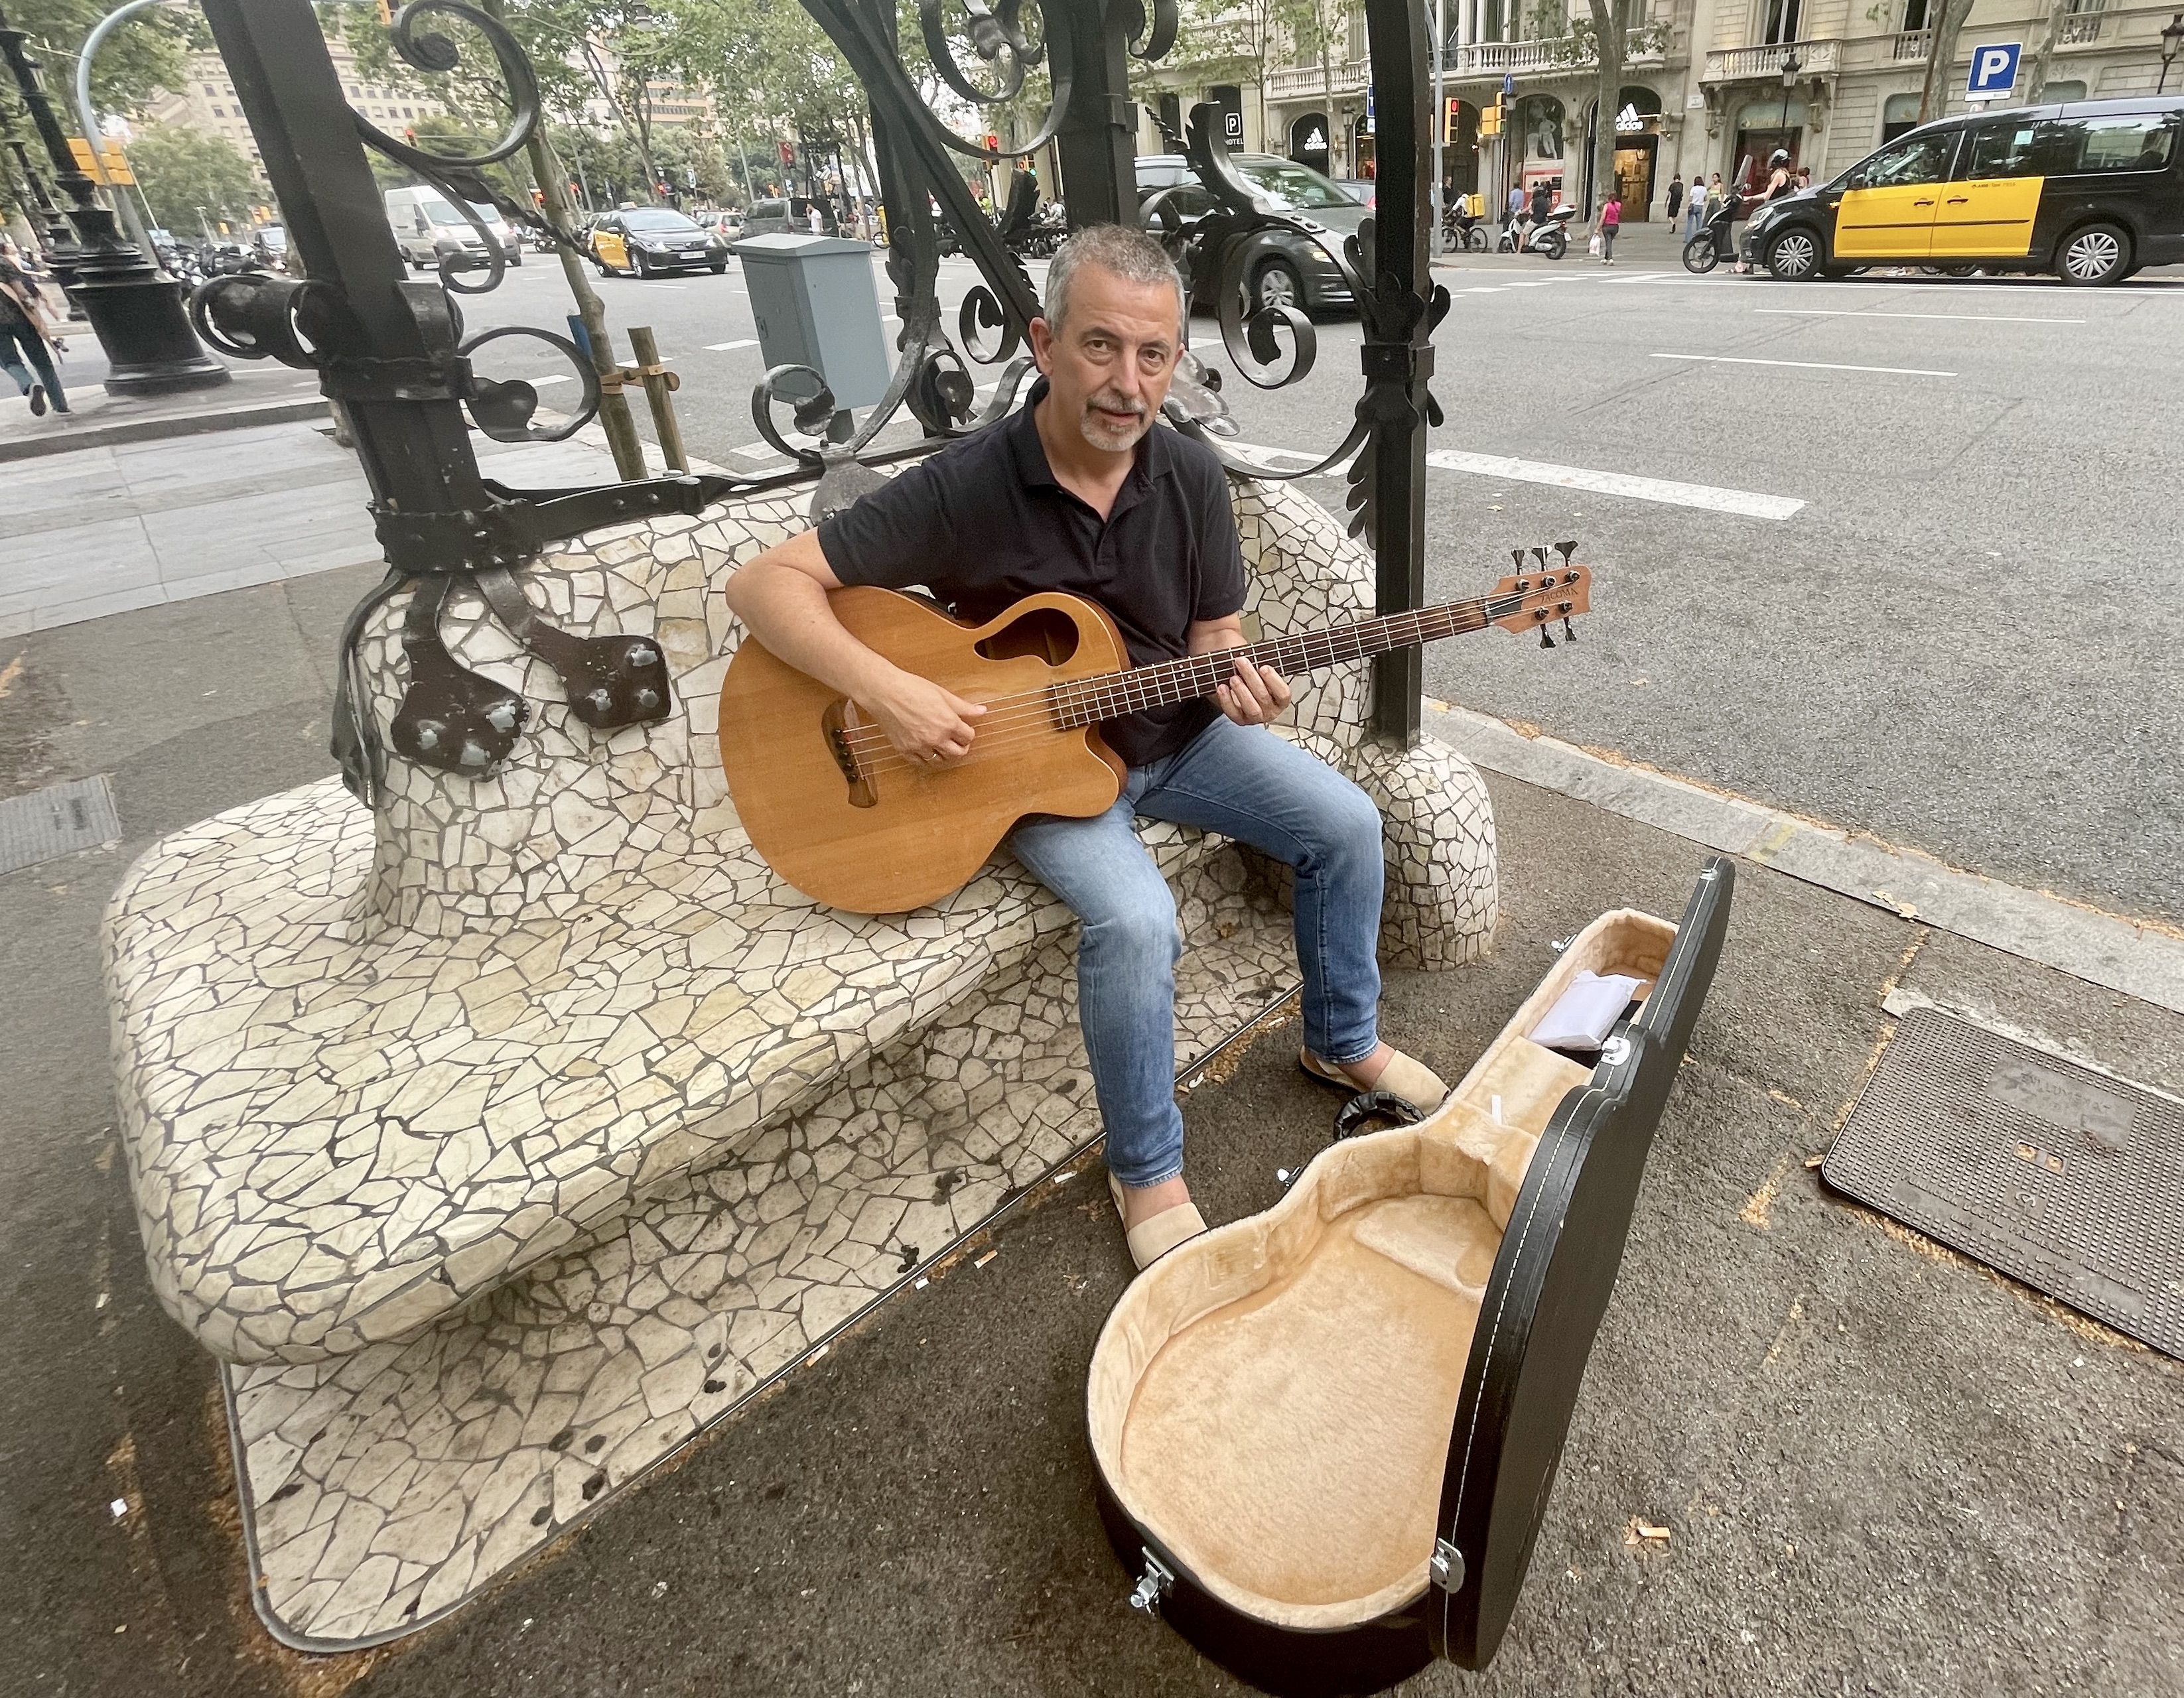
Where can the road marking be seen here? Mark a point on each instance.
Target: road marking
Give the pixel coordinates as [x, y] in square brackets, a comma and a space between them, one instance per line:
[1743, 502]
[730, 346]
[1807, 364]
[1866, 313]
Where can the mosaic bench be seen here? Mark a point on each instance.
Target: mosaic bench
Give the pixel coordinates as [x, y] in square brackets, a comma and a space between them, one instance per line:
[514, 1130]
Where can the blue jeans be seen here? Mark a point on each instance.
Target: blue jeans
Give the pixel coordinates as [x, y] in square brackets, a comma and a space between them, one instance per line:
[1246, 783]
[1694, 219]
[18, 340]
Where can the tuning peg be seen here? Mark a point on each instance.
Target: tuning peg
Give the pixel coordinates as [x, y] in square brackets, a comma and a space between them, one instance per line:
[1546, 641]
[1568, 635]
[1565, 549]
[1540, 555]
[1517, 555]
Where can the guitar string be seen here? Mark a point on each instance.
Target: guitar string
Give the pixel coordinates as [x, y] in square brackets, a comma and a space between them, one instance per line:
[1139, 688]
[881, 756]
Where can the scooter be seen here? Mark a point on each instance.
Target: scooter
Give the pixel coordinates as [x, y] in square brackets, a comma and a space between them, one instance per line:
[1714, 243]
[1548, 237]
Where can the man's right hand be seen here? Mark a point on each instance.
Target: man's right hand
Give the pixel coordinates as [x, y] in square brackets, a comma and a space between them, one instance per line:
[931, 727]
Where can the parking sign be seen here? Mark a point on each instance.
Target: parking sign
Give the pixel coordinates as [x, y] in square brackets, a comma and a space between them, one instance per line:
[1994, 70]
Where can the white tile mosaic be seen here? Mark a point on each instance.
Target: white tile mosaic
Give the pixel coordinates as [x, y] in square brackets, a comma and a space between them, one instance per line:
[503, 1136]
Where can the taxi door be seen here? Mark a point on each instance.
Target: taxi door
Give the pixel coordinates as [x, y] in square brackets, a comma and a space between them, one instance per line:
[1888, 205]
[1987, 207]
[609, 247]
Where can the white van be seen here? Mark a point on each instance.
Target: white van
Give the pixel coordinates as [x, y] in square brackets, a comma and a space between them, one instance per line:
[428, 228]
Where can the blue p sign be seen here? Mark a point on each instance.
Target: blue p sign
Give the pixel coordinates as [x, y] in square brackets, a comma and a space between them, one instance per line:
[1994, 69]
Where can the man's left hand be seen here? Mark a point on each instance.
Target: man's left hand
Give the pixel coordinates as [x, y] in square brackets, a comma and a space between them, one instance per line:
[1254, 695]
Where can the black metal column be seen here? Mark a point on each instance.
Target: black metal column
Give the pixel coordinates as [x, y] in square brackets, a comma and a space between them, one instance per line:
[415, 444]
[1398, 350]
[1097, 145]
[136, 311]
[61, 251]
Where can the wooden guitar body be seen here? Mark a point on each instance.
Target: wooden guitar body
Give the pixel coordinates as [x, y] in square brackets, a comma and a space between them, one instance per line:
[897, 835]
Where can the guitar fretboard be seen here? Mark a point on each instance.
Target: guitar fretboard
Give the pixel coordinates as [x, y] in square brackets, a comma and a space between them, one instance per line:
[1087, 701]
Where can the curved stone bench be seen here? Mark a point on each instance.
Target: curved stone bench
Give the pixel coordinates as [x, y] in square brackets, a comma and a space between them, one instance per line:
[373, 1066]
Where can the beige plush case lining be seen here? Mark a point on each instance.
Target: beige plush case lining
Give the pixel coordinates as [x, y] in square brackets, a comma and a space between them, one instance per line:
[1272, 1401]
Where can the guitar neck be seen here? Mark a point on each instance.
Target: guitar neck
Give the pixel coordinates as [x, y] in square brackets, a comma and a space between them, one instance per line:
[1087, 701]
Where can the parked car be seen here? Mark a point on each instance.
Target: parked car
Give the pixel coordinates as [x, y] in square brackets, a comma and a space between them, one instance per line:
[772, 217]
[506, 231]
[429, 230]
[1281, 268]
[269, 246]
[2091, 190]
[1362, 190]
[649, 241]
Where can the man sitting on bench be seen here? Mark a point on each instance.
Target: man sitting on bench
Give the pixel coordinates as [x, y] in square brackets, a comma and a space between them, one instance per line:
[1078, 491]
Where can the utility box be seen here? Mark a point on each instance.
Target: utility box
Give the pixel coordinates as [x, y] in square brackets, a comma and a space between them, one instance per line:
[816, 305]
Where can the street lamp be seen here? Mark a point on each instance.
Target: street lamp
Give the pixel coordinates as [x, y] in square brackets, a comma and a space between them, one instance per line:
[1790, 70]
[2172, 41]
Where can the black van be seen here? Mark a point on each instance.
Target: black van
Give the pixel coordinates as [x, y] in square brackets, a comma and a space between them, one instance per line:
[2091, 190]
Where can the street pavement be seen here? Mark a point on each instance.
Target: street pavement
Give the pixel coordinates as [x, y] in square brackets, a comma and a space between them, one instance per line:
[1884, 1469]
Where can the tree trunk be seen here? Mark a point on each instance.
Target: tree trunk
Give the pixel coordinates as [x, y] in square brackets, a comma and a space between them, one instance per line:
[1941, 57]
[1608, 89]
[2043, 54]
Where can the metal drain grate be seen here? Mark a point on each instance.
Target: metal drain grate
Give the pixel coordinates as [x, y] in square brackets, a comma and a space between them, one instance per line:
[56, 821]
[2061, 1176]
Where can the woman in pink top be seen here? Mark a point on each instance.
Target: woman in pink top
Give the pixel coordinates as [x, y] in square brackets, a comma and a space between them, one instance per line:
[1610, 220]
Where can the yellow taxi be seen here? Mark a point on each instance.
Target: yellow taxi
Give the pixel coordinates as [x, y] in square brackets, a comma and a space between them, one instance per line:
[654, 241]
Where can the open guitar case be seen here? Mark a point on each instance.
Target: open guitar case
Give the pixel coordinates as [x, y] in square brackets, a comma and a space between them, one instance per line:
[1324, 1436]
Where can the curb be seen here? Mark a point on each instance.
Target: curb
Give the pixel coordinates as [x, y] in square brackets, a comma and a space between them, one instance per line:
[2139, 959]
[171, 424]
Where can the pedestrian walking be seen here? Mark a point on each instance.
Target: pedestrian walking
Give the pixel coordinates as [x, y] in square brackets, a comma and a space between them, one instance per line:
[26, 333]
[1694, 210]
[1675, 196]
[1610, 220]
[1516, 204]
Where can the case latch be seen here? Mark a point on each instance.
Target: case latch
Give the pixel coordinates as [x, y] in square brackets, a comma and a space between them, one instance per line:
[1152, 1585]
[1447, 1566]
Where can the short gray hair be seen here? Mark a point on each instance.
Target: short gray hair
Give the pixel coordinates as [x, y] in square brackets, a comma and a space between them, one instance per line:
[1130, 254]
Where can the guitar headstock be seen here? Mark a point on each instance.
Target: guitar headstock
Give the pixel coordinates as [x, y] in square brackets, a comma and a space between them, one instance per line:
[1550, 592]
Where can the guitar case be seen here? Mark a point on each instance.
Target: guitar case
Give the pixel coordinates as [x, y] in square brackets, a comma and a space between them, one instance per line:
[1324, 1436]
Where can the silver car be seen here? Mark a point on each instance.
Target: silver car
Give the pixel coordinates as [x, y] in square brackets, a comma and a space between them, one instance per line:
[1281, 268]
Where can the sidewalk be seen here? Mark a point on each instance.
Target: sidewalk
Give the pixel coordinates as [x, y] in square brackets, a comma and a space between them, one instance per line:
[1883, 1469]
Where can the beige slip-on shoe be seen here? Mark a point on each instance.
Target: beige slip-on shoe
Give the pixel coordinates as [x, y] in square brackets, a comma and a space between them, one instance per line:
[1151, 1239]
[1410, 1079]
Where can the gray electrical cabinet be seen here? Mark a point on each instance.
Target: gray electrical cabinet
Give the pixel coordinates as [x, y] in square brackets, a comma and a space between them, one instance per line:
[816, 305]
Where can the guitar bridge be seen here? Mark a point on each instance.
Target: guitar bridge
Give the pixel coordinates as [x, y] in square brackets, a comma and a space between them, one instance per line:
[838, 725]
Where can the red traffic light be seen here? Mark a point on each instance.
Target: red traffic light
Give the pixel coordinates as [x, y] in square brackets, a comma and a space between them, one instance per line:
[788, 154]
[993, 144]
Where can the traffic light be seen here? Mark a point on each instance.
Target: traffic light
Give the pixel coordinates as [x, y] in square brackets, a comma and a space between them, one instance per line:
[386, 13]
[993, 144]
[788, 154]
[1452, 120]
[117, 168]
[1489, 120]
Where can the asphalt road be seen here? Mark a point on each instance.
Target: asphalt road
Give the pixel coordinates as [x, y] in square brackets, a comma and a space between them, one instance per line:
[1965, 639]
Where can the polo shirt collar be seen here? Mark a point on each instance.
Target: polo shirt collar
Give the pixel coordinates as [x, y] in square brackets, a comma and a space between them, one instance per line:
[1154, 459]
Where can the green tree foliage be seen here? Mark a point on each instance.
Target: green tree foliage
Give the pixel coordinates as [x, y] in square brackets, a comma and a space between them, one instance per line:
[141, 57]
[181, 171]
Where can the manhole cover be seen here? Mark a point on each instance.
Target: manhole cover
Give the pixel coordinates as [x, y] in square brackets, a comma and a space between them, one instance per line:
[56, 821]
[2061, 1176]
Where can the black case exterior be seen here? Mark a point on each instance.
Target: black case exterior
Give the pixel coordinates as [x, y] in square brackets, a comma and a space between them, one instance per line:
[1542, 1309]
[1549, 1289]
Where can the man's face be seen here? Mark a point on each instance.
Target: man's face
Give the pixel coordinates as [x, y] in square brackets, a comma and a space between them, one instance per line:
[1109, 368]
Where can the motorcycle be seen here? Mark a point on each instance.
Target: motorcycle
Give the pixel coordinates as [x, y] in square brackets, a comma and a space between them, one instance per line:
[1548, 237]
[1714, 242]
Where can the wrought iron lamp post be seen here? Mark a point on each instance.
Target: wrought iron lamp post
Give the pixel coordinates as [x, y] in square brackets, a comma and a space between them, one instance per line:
[136, 311]
[2172, 41]
[1791, 67]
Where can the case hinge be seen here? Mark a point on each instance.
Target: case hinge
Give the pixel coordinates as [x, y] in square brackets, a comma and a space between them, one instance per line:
[1152, 1585]
[1447, 1566]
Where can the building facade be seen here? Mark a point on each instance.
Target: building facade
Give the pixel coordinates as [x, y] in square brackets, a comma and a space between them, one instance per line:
[1707, 85]
[206, 100]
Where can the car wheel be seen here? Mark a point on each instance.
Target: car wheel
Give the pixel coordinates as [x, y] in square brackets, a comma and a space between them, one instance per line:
[1276, 284]
[2094, 253]
[642, 265]
[517, 257]
[721, 268]
[1794, 256]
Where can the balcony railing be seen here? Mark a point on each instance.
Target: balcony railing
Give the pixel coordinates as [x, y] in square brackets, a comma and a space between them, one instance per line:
[1763, 65]
[1497, 58]
[1304, 82]
[1910, 46]
[2082, 27]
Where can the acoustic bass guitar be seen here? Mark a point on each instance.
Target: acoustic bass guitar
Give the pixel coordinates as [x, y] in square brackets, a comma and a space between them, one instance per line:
[849, 821]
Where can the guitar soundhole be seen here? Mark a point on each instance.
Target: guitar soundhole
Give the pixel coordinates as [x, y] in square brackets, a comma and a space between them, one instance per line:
[839, 727]
[1045, 631]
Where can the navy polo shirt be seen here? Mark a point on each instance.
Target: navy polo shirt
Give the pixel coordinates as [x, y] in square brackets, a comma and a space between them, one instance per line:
[983, 523]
